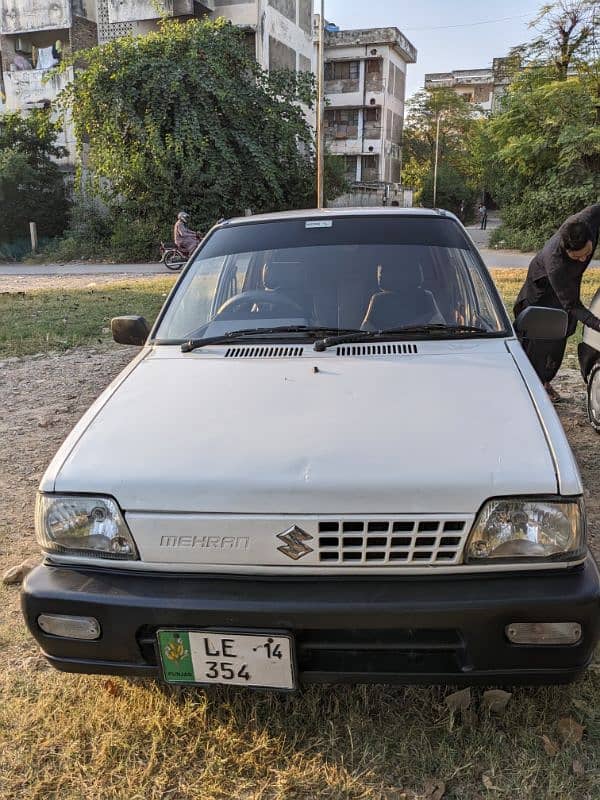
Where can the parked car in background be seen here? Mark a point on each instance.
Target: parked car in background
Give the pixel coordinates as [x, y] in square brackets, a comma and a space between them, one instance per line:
[331, 461]
[589, 360]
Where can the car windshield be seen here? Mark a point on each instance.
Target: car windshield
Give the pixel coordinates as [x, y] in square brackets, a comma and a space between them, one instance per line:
[353, 273]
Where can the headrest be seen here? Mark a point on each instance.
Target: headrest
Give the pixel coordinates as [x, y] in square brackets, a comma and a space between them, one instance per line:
[399, 278]
[280, 275]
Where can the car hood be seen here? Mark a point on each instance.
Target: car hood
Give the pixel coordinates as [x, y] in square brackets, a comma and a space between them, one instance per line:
[438, 431]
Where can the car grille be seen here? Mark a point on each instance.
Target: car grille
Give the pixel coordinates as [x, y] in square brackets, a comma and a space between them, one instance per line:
[394, 542]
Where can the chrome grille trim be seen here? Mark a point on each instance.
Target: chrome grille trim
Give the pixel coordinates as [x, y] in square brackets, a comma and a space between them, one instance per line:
[398, 543]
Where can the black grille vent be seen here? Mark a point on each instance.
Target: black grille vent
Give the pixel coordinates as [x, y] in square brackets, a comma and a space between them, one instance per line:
[264, 352]
[377, 350]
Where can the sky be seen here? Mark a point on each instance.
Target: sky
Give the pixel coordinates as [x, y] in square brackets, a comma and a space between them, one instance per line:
[443, 31]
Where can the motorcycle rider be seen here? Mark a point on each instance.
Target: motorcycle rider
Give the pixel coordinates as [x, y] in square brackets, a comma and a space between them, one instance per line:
[186, 240]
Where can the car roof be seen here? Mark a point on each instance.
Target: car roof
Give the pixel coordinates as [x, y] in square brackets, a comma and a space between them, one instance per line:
[328, 213]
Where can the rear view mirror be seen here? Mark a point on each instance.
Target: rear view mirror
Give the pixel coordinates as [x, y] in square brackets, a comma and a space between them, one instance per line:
[536, 322]
[130, 330]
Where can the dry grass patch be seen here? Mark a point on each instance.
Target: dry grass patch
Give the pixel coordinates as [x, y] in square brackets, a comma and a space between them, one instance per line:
[83, 738]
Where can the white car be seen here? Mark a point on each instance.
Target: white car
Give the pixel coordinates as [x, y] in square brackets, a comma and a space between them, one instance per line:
[589, 360]
[331, 461]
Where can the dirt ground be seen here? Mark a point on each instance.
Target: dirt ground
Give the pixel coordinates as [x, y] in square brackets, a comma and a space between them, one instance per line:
[43, 396]
[28, 283]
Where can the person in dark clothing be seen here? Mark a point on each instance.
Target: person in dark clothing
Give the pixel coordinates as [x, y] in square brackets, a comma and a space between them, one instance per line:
[554, 281]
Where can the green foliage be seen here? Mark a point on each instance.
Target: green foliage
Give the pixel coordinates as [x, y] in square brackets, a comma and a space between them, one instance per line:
[32, 188]
[452, 190]
[185, 118]
[459, 174]
[546, 164]
[544, 146]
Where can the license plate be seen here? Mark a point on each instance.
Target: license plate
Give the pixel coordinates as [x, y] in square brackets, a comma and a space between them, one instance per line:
[229, 658]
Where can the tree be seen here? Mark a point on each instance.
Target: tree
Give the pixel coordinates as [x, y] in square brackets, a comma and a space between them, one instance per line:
[32, 187]
[547, 156]
[184, 118]
[566, 31]
[545, 142]
[459, 172]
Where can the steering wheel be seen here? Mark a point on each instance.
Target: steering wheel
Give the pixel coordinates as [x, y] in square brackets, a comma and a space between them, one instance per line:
[240, 307]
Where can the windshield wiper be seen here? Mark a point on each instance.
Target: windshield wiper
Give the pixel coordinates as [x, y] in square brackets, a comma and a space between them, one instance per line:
[232, 336]
[410, 330]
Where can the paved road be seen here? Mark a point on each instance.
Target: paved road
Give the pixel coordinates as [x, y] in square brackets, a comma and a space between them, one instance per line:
[500, 259]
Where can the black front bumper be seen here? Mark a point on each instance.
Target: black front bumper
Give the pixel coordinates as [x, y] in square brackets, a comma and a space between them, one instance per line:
[439, 629]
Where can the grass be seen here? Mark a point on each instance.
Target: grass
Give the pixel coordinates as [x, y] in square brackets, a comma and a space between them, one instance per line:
[82, 738]
[58, 319]
[89, 738]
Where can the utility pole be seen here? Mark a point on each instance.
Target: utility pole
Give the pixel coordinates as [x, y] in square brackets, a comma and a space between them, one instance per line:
[321, 110]
[437, 157]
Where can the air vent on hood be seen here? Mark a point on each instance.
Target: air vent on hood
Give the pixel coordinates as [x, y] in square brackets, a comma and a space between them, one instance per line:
[264, 352]
[378, 350]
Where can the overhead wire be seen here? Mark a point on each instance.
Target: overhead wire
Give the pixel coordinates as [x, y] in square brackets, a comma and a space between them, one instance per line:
[467, 24]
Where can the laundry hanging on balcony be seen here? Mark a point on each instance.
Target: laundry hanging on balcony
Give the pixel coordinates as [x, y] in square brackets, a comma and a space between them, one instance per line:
[20, 63]
[46, 58]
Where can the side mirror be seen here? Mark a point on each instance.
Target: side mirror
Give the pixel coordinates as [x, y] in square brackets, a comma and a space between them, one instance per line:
[536, 322]
[130, 330]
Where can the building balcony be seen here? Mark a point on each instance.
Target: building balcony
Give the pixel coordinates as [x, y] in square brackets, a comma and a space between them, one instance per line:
[34, 88]
[23, 16]
[138, 10]
[354, 147]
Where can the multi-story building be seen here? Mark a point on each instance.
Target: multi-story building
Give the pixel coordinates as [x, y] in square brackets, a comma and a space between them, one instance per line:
[281, 29]
[34, 36]
[482, 87]
[365, 87]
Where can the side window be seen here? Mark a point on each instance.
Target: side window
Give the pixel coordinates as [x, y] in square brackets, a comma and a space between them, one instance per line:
[197, 297]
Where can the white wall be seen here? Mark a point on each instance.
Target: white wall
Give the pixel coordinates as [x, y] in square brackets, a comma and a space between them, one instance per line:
[20, 16]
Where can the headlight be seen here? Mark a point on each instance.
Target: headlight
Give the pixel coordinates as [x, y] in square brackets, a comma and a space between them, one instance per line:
[522, 529]
[86, 526]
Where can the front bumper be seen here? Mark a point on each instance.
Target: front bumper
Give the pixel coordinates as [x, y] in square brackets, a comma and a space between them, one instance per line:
[439, 629]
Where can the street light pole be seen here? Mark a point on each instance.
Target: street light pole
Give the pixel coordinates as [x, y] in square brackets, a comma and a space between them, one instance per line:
[321, 110]
[437, 158]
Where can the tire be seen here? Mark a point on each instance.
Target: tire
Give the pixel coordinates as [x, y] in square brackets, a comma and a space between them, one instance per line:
[172, 260]
[593, 393]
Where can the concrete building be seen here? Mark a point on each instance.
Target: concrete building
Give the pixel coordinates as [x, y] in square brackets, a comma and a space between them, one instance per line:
[365, 86]
[282, 30]
[34, 36]
[481, 87]
[137, 17]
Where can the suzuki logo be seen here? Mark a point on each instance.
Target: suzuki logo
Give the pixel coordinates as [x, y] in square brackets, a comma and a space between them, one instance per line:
[294, 540]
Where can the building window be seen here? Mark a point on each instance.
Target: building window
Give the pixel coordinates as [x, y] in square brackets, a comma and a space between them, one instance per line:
[349, 163]
[370, 168]
[342, 70]
[373, 114]
[342, 116]
[374, 65]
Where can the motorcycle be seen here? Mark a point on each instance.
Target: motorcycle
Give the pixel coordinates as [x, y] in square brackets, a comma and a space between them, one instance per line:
[171, 256]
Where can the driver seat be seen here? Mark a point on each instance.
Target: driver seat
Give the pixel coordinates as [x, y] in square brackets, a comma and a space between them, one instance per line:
[285, 279]
[401, 300]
